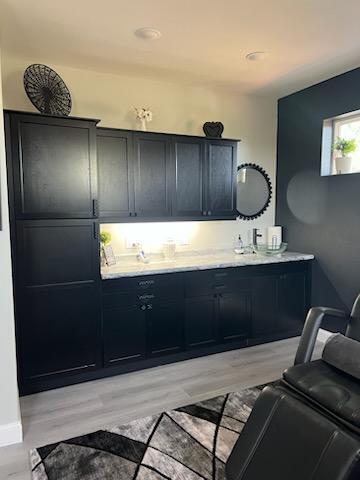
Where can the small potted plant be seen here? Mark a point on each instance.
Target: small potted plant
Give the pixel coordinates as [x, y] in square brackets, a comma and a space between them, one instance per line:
[105, 239]
[343, 146]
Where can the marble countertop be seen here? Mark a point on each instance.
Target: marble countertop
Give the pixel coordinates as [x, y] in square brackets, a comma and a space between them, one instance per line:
[129, 266]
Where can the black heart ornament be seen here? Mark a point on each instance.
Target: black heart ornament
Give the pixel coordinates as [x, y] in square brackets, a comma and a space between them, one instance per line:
[213, 129]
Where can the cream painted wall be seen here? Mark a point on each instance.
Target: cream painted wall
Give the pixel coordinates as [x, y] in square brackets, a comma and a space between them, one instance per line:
[178, 108]
[10, 423]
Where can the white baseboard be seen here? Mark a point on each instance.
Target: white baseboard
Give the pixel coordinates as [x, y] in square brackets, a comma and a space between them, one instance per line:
[323, 335]
[10, 433]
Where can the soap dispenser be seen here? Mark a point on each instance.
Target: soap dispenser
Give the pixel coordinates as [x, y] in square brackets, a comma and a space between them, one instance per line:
[239, 246]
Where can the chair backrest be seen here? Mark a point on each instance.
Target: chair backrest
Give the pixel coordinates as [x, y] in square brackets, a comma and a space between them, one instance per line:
[353, 329]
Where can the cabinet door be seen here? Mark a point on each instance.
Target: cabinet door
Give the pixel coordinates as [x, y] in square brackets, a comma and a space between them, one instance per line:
[58, 298]
[200, 321]
[234, 315]
[188, 163]
[221, 179]
[264, 306]
[152, 175]
[292, 300]
[124, 332]
[60, 331]
[53, 252]
[116, 192]
[54, 167]
[165, 328]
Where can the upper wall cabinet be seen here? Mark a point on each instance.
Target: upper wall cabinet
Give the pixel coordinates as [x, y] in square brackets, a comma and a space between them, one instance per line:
[54, 167]
[221, 178]
[152, 175]
[66, 168]
[188, 163]
[116, 192]
[160, 176]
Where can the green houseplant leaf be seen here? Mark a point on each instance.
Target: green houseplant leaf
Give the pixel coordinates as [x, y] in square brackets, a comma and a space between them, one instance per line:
[345, 146]
[105, 238]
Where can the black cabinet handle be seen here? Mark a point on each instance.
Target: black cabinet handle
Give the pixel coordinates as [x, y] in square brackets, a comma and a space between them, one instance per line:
[146, 283]
[146, 297]
[220, 274]
[130, 214]
[96, 231]
[95, 207]
[135, 214]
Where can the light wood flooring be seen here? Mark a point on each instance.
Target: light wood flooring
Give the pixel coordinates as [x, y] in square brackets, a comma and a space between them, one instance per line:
[67, 412]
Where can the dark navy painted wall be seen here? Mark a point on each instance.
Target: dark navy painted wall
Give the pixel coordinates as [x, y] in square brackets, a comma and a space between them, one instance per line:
[320, 215]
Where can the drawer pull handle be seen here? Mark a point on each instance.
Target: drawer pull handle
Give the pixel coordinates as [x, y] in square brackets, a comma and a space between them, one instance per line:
[220, 274]
[219, 287]
[146, 297]
[146, 283]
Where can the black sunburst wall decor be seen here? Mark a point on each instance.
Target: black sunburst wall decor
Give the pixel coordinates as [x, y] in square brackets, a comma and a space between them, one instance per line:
[46, 90]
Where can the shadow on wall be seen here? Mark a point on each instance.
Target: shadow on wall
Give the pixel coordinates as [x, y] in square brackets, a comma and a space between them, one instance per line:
[326, 295]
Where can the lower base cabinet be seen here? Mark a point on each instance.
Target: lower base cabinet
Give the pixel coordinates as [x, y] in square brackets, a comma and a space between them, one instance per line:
[156, 319]
[234, 316]
[61, 333]
[165, 324]
[124, 332]
[201, 321]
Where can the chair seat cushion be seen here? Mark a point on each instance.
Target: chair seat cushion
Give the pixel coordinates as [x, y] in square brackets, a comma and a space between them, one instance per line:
[333, 389]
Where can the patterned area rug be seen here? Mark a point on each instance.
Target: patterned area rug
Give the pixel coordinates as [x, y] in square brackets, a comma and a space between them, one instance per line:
[189, 443]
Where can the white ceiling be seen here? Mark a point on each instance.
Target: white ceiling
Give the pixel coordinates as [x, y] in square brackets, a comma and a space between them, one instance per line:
[204, 41]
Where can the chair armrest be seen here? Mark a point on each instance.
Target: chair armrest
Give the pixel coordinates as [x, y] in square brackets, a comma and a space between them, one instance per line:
[309, 334]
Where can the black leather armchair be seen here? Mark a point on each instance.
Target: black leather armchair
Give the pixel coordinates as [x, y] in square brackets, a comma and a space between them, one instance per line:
[306, 427]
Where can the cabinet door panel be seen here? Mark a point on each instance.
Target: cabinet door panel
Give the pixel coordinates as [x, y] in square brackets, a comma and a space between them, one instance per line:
[235, 315]
[124, 334]
[152, 175]
[115, 175]
[264, 307]
[200, 322]
[165, 328]
[60, 330]
[292, 301]
[189, 164]
[221, 164]
[55, 167]
[58, 251]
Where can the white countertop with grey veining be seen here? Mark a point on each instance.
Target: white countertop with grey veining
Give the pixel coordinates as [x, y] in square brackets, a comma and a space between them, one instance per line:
[129, 266]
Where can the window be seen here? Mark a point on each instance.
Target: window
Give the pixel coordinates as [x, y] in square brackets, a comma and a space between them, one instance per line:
[342, 132]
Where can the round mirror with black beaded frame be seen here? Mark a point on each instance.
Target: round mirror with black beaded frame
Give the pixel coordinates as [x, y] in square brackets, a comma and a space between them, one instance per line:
[254, 191]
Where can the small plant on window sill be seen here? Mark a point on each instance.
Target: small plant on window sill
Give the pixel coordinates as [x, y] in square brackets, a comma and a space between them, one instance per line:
[344, 147]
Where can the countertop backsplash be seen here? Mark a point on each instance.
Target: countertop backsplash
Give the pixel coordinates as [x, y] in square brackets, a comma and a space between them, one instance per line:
[189, 236]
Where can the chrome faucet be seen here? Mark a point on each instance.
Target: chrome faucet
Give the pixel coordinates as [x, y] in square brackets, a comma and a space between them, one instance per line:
[141, 256]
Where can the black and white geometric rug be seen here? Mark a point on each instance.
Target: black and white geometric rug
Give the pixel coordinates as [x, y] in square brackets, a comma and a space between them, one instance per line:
[188, 443]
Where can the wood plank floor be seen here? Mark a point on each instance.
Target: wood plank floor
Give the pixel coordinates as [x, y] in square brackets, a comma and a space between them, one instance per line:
[64, 413]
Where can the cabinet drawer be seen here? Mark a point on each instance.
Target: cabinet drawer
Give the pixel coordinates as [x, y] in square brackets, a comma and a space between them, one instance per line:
[214, 281]
[139, 290]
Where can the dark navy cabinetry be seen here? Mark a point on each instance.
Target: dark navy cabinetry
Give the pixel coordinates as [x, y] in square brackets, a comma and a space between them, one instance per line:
[157, 319]
[64, 175]
[145, 176]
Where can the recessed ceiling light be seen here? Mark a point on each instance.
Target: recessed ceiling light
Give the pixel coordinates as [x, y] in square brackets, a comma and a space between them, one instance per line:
[148, 33]
[256, 56]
